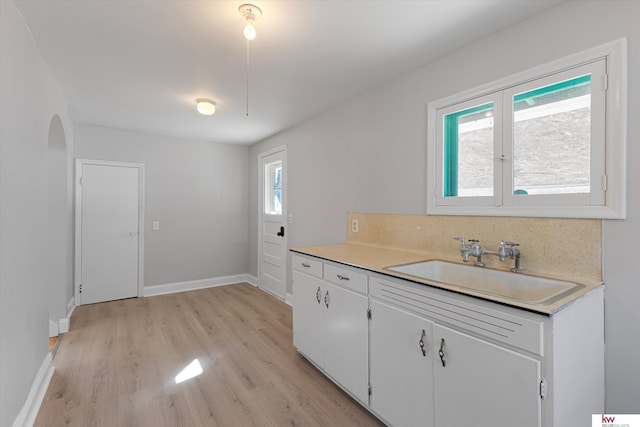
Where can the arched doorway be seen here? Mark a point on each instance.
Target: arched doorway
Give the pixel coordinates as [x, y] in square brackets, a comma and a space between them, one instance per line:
[60, 285]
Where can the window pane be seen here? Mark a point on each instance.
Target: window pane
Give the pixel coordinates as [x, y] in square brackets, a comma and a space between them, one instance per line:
[277, 189]
[551, 138]
[468, 152]
[273, 188]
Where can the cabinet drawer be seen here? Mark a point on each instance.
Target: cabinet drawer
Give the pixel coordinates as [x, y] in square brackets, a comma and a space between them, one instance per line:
[346, 277]
[307, 265]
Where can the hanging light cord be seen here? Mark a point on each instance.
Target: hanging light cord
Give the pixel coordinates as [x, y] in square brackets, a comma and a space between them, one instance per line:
[247, 75]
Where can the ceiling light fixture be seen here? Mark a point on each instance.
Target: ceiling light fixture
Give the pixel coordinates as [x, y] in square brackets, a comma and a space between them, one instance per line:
[205, 106]
[250, 13]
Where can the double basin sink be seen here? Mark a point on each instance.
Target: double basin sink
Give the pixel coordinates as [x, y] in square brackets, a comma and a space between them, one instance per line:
[514, 286]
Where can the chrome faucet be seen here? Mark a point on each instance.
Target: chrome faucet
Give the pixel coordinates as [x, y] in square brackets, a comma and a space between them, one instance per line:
[473, 249]
[465, 250]
[510, 250]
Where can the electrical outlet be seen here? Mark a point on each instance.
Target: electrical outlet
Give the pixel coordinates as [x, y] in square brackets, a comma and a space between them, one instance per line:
[155, 225]
[354, 225]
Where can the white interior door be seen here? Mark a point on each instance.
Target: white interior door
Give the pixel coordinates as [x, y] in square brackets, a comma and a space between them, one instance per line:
[109, 200]
[273, 235]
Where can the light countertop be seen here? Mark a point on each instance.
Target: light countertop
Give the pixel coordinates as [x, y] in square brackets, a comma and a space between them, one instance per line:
[375, 259]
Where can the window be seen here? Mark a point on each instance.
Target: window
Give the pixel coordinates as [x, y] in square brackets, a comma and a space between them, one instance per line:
[273, 188]
[542, 143]
[468, 143]
[552, 132]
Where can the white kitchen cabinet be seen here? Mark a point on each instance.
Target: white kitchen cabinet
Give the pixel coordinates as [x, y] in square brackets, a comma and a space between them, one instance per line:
[346, 351]
[479, 384]
[330, 324]
[503, 366]
[401, 366]
[308, 312]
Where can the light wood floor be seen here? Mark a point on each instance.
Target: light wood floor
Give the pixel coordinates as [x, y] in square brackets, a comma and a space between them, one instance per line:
[116, 367]
[52, 343]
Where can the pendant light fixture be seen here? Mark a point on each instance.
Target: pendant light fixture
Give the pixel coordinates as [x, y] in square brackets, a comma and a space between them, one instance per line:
[250, 13]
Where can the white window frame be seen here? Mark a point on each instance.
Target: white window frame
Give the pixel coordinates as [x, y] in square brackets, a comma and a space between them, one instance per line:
[477, 201]
[269, 190]
[608, 195]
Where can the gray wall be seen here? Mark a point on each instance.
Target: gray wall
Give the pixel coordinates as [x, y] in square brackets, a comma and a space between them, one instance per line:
[29, 100]
[60, 220]
[197, 191]
[368, 155]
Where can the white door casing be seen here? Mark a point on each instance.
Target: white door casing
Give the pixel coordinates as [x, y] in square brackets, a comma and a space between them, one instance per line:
[109, 230]
[272, 241]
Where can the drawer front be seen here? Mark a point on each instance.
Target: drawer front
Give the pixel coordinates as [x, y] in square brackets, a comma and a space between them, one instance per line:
[307, 265]
[346, 278]
[504, 327]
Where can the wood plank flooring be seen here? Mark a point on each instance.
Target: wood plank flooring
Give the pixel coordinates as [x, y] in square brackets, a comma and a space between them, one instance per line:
[116, 367]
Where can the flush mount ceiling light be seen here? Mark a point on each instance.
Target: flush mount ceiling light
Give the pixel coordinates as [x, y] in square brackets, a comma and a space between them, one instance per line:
[250, 13]
[205, 106]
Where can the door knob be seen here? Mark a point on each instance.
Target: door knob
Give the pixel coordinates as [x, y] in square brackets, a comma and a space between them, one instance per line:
[281, 232]
[133, 233]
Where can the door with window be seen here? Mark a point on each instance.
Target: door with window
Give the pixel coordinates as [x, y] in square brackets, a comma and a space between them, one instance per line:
[272, 251]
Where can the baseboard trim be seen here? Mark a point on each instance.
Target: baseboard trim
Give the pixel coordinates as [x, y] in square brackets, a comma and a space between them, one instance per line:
[192, 285]
[54, 329]
[29, 411]
[252, 280]
[65, 324]
[267, 291]
[71, 305]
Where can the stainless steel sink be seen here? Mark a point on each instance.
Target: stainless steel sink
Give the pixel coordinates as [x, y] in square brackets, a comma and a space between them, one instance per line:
[519, 287]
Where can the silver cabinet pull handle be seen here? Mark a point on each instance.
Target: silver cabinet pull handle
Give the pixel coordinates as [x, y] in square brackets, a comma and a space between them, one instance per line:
[305, 265]
[441, 352]
[326, 299]
[318, 293]
[421, 343]
[341, 277]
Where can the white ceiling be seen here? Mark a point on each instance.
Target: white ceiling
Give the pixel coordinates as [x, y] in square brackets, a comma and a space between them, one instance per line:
[140, 64]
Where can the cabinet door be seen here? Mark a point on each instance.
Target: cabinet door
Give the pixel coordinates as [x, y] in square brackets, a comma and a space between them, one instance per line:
[308, 311]
[346, 339]
[401, 374]
[482, 384]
